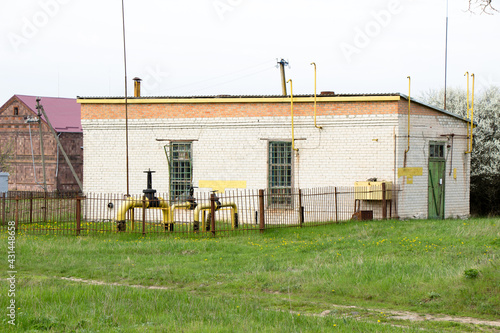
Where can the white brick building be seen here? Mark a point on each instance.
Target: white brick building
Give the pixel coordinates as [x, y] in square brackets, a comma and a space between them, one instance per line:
[246, 142]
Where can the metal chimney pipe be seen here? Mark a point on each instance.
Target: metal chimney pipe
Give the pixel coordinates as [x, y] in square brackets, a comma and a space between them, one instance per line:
[137, 87]
[282, 63]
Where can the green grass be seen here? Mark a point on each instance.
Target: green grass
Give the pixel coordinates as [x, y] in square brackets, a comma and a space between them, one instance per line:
[275, 282]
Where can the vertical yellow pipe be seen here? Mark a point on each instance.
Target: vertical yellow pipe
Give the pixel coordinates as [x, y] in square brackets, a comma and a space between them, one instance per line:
[291, 109]
[409, 105]
[468, 108]
[472, 113]
[313, 63]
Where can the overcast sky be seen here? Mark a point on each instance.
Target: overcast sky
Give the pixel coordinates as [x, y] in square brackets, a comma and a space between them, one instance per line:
[70, 48]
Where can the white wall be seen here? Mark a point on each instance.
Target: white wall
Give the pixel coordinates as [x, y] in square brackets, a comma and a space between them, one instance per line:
[347, 149]
[413, 201]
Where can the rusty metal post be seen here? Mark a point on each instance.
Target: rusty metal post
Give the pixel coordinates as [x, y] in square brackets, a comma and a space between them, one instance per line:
[132, 217]
[390, 209]
[336, 208]
[384, 202]
[4, 220]
[301, 209]
[212, 213]
[45, 207]
[262, 223]
[31, 207]
[17, 213]
[144, 215]
[78, 215]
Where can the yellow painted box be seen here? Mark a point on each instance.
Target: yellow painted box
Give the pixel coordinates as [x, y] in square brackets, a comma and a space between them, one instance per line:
[372, 190]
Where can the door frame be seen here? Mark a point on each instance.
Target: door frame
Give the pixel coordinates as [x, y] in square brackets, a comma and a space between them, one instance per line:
[437, 155]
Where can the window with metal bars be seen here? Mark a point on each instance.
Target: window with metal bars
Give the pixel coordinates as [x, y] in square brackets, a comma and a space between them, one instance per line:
[436, 150]
[280, 173]
[181, 172]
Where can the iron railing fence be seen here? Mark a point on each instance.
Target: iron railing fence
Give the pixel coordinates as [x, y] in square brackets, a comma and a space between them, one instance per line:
[207, 215]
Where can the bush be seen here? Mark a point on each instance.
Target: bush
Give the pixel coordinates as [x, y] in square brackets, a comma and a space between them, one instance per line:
[471, 273]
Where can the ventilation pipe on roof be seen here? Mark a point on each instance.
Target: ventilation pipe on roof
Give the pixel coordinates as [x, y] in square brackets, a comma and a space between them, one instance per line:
[291, 110]
[137, 87]
[470, 112]
[313, 63]
[409, 104]
[282, 63]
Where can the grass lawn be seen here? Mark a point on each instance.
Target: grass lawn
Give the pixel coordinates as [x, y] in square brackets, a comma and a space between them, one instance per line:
[285, 280]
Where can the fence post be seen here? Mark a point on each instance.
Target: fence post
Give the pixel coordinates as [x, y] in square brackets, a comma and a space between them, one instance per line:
[132, 218]
[301, 209]
[212, 213]
[262, 223]
[17, 213]
[384, 203]
[336, 207]
[31, 207]
[144, 215]
[78, 214]
[4, 221]
[45, 207]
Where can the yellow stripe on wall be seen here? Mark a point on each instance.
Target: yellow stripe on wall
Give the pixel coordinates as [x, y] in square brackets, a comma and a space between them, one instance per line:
[222, 185]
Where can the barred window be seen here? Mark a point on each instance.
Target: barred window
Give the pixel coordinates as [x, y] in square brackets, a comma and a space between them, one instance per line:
[181, 172]
[436, 150]
[280, 173]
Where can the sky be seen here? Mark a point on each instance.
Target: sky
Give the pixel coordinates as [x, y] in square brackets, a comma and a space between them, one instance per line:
[70, 48]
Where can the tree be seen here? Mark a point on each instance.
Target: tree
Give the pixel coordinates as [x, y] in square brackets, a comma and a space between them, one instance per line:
[485, 159]
[484, 6]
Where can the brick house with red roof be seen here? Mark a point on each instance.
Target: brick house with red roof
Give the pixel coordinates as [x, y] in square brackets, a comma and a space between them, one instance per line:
[20, 134]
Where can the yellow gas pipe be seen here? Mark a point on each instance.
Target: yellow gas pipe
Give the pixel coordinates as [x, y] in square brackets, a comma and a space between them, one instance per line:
[291, 108]
[313, 63]
[470, 112]
[130, 203]
[409, 105]
[184, 205]
[200, 208]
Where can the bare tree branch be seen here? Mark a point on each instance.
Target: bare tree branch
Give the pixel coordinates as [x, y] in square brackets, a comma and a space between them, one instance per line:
[484, 6]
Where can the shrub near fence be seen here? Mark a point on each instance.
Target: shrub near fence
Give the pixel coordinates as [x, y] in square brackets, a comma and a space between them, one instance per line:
[224, 213]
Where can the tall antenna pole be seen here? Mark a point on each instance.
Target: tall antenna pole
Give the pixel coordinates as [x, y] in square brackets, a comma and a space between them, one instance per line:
[126, 93]
[446, 57]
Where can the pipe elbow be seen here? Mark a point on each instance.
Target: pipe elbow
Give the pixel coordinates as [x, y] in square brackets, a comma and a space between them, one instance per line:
[129, 203]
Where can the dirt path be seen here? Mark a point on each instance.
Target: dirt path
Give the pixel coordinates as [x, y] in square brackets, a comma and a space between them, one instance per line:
[390, 314]
[413, 316]
[101, 283]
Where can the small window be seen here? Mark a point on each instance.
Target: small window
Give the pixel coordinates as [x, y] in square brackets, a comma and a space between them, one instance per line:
[16, 111]
[436, 150]
[181, 172]
[280, 173]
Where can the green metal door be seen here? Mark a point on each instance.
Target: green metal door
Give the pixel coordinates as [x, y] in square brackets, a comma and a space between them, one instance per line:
[437, 169]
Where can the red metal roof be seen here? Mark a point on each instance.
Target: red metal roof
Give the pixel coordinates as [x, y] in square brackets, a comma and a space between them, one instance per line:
[64, 113]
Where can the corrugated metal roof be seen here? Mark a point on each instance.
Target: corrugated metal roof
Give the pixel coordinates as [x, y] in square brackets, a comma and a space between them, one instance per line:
[64, 113]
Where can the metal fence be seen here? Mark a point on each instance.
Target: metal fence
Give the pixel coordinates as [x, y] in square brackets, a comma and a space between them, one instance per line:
[207, 215]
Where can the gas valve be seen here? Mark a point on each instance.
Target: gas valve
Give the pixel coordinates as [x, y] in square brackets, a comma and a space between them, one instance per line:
[191, 199]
